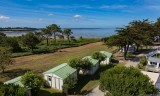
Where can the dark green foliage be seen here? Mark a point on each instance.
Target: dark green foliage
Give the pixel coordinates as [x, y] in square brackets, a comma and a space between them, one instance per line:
[67, 32]
[53, 28]
[5, 58]
[86, 65]
[140, 33]
[69, 83]
[143, 61]
[80, 64]
[46, 33]
[99, 56]
[2, 34]
[30, 40]
[75, 63]
[12, 90]
[32, 80]
[123, 81]
[11, 42]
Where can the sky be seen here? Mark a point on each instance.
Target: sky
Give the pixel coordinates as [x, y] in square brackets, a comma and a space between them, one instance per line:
[76, 13]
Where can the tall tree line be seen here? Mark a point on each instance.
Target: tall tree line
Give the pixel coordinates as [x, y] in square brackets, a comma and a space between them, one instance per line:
[138, 32]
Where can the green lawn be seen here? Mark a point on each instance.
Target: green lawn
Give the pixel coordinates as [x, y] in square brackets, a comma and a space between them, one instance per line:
[49, 92]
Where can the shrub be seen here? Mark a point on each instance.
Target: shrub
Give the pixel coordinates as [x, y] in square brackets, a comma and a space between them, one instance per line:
[126, 81]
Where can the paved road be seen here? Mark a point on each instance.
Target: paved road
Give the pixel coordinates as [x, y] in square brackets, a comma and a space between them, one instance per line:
[96, 92]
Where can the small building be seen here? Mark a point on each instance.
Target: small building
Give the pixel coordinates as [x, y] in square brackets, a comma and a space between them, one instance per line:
[107, 59]
[17, 81]
[131, 49]
[56, 76]
[153, 61]
[95, 65]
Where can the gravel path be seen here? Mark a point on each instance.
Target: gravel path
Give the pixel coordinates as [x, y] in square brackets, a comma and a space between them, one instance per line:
[96, 92]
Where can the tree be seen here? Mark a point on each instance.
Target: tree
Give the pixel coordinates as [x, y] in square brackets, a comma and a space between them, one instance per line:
[12, 90]
[99, 56]
[53, 28]
[126, 81]
[30, 40]
[33, 81]
[11, 42]
[85, 65]
[2, 34]
[5, 58]
[80, 64]
[68, 32]
[46, 34]
[76, 63]
[69, 83]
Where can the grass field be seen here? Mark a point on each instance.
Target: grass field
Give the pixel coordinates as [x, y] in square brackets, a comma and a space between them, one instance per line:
[43, 62]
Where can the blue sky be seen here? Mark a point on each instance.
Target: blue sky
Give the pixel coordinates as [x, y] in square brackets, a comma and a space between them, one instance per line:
[76, 13]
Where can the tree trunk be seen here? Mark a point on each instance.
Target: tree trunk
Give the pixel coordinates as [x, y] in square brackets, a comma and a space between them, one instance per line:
[2, 70]
[126, 51]
[47, 40]
[137, 48]
[54, 37]
[32, 49]
[68, 39]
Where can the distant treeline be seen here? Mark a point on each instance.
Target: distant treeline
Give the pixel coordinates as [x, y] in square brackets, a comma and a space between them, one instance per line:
[18, 29]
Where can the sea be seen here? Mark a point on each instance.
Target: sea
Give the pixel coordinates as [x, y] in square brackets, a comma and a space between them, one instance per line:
[77, 32]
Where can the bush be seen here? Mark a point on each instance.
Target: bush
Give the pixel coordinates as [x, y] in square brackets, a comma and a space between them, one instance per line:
[33, 81]
[11, 42]
[143, 61]
[140, 66]
[12, 90]
[126, 81]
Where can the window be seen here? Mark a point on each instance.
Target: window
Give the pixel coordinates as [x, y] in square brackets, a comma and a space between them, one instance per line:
[49, 78]
[153, 63]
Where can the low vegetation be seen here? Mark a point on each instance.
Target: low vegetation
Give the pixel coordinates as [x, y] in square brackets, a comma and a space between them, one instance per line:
[123, 81]
[12, 90]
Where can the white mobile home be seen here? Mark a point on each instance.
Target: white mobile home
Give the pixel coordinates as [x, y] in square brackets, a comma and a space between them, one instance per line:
[95, 65]
[56, 76]
[107, 59]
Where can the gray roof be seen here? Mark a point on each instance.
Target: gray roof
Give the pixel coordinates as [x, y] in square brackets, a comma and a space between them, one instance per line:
[152, 59]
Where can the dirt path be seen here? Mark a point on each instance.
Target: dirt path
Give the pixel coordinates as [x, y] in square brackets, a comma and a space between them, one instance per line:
[43, 62]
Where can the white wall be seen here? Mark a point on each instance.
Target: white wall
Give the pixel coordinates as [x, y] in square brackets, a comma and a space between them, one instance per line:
[105, 61]
[57, 82]
[92, 70]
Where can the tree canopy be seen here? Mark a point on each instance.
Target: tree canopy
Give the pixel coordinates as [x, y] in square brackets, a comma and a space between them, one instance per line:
[80, 64]
[30, 40]
[99, 56]
[12, 90]
[140, 33]
[126, 81]
[67, 32]
[32, 80]
[5, 58]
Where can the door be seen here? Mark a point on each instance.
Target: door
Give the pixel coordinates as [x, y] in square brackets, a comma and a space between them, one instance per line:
[49, 79]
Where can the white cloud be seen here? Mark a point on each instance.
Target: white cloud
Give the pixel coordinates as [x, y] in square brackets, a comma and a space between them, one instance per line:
[154, 7]
[77, 17]
[40, 19]
[50, 14]
[4, 17]
[113, 6]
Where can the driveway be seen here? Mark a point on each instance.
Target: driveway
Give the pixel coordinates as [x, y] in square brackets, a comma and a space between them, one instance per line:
[95, 92]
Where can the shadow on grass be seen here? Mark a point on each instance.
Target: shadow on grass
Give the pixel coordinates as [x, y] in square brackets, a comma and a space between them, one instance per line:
[84, 79]
[13, 73]
[47, 93]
